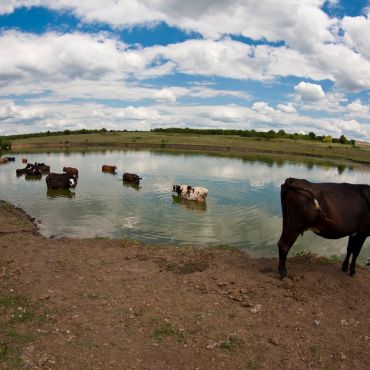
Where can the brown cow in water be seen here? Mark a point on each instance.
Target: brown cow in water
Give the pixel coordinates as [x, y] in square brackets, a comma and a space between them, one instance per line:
[108, 168]
[71, 171]
[330, 210]
[131, 177]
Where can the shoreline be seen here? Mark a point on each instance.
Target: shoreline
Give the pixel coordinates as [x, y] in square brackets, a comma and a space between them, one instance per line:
[102, 303]
[233, 145]
[186, 147]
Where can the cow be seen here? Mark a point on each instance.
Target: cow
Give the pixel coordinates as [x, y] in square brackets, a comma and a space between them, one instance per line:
[24, 160]
[35, 169]
[42, 167]
[71, 171]
[108, 168]
[10, 159]
[131, 177]
[188, 192]
[60, 181]
[330, 210]
[32, 171]
[21, 171]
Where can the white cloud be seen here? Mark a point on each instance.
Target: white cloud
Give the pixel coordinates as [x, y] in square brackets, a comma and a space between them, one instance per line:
[287, 108]
[11, 111]
[357, 34]
[273, 20]
[262, 107]
[313, 48]
[260, 116]
[56, 58]
[357, 108]
[309, 92]
[165, 94]
[54, 69]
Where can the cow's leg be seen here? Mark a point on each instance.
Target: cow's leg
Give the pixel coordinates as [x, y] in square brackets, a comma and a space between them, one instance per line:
[354, 246]
[355, 252]
[345, 263]
[284, 244]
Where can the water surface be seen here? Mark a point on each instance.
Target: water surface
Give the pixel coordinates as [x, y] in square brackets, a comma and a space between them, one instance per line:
[242, 209]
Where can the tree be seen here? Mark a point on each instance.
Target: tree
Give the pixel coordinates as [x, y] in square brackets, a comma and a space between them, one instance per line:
[343, 140]
[327, 139]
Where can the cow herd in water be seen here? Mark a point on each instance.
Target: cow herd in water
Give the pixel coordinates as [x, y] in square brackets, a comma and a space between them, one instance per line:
[68, 178]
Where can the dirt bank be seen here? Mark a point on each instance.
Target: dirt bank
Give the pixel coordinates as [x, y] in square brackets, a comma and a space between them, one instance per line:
[104, 304]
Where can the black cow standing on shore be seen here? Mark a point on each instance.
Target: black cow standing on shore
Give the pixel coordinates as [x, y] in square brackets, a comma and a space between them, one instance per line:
[330, 210]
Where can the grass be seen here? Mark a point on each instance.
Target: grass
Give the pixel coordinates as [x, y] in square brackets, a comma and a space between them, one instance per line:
[220, 144]
[232, 343]
[15, 311]
[252, 364]
[165, 329]
[226, 247]
[332, 259]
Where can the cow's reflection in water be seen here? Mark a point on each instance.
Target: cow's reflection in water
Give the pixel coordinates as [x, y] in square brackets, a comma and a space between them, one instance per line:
[60, 193]
[131, 185]
[189, 204]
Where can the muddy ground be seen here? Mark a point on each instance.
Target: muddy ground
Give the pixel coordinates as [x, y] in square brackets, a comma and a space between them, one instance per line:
[114, 304]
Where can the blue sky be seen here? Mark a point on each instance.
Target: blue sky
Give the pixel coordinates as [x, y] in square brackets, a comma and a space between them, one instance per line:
[296, 65]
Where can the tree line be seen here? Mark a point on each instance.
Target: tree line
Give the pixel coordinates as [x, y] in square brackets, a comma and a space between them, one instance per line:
[5, 141]
[281, 134]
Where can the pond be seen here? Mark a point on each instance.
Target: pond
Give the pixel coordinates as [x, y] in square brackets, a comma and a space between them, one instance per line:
[242, 208]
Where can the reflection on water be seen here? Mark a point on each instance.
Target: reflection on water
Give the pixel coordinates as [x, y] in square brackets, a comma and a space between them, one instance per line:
[242, 210]
[33, 177]
[189, 204]
[131, 185]
[57, 193]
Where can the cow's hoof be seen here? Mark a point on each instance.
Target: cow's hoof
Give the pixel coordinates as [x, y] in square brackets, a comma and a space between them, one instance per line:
[352, 273]
[283, 274]
[344, 268]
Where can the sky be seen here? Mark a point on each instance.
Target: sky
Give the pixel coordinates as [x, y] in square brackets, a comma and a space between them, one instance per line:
[295, 65]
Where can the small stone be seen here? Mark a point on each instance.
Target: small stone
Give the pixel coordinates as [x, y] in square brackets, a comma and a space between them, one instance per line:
[257, 308]
[273, 341]
[212, 344]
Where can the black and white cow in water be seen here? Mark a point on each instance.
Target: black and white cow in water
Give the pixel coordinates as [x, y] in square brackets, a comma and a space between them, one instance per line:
[28, 170]
[35, 169]
[60, 181]
[198, 193]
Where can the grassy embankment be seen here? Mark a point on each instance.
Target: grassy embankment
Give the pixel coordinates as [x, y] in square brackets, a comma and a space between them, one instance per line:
[220, 144]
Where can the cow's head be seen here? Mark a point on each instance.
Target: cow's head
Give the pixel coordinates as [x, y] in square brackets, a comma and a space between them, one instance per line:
[177, 189]
[72, 181]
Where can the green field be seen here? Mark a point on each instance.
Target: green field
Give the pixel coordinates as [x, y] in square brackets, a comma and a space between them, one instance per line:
[220, 144]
